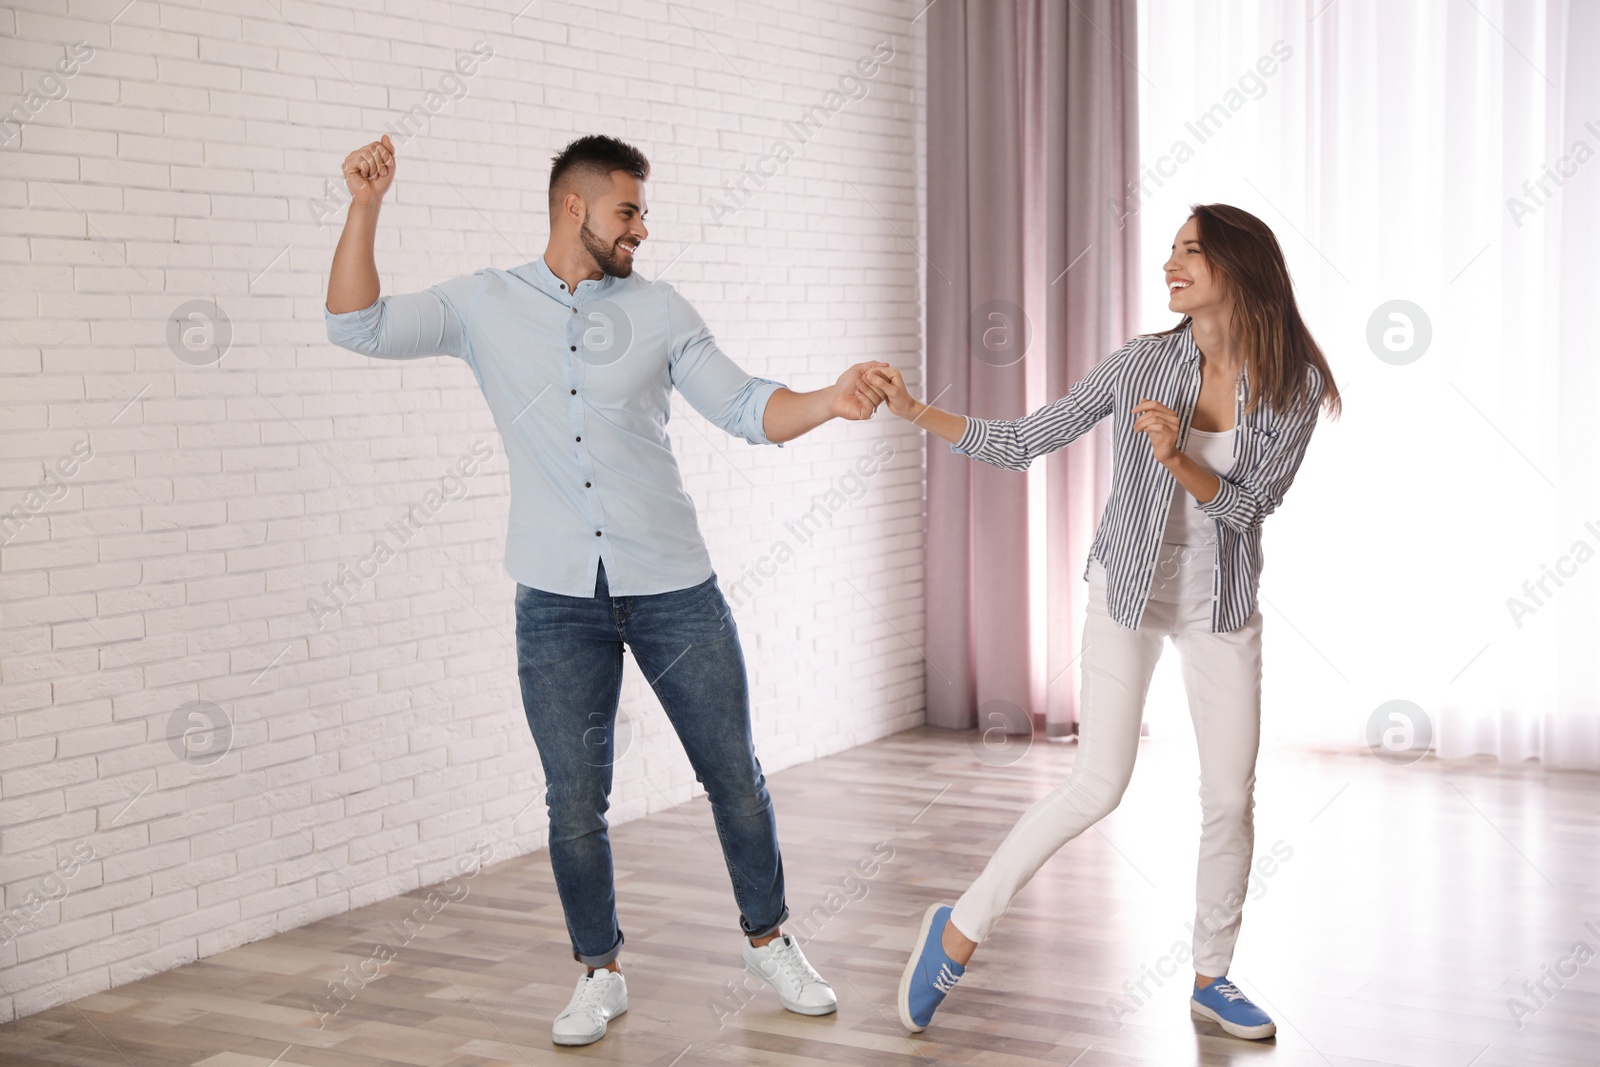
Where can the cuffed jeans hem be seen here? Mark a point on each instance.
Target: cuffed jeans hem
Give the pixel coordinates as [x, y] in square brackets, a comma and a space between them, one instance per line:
[602, 959]
[774, 928]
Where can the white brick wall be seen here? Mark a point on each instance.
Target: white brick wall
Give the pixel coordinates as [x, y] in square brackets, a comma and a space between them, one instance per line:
[154, 154]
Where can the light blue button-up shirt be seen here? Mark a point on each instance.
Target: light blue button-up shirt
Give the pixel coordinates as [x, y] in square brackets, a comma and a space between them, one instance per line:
[580, 385]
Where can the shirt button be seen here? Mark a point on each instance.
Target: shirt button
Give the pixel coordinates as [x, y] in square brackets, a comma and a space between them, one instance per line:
[574, 392]
[597, 533]
[586, 485]
[574, 348]
[577, 438]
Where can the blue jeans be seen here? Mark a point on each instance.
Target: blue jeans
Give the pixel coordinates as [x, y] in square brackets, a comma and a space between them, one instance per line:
[569, 661]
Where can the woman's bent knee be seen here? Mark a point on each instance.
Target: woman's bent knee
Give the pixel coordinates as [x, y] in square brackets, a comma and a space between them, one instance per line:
[1090, 798]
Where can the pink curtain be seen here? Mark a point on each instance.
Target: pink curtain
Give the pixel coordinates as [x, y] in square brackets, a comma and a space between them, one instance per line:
[1032, 137]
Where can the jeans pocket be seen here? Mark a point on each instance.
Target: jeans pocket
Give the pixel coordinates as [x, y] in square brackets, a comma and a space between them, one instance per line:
[715, 606]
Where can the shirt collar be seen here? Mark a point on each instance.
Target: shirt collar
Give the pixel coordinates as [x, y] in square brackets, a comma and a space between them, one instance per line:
[1188, 351]
[539, 272]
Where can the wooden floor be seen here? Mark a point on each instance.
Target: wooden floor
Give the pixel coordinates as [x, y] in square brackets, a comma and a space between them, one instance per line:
[1412, 906]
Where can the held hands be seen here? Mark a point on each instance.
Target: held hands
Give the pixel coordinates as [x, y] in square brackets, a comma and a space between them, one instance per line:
[369, 170]
[851, 399]
[1159, 423]
[885, 384]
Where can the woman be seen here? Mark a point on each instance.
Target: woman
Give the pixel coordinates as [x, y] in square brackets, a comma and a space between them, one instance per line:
[1210, 421]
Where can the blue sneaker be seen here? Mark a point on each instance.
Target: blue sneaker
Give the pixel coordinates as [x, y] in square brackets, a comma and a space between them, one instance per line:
[1226, 1005]
[929, 973]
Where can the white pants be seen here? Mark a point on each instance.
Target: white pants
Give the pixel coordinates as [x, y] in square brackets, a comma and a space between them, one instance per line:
[1222, 675]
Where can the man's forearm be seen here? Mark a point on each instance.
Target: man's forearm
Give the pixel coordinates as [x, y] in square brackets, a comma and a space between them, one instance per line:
[353, 279]
[789, 414]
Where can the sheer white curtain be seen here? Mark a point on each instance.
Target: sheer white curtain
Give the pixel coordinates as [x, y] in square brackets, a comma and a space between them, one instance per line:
[1442, 543]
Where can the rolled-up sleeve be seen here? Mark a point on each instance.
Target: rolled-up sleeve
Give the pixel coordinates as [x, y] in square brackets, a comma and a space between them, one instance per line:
[433, 322]
[1246, 498]
[712, 383]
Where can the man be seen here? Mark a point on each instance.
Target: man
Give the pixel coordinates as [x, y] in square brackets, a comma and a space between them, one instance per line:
[577, 356]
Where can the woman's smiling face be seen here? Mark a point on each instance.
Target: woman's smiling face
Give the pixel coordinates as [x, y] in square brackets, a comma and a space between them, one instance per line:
[1191, 286]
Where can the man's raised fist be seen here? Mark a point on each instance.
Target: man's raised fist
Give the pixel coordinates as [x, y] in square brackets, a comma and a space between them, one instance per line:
[369, 170]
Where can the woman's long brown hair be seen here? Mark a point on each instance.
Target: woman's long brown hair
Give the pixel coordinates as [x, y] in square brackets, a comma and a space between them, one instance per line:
[1244, 255]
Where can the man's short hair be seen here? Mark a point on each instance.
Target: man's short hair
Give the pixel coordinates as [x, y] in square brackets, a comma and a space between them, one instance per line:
[593, 156]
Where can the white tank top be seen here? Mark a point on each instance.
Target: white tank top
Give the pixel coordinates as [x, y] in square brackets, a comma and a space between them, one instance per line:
[1188, 554]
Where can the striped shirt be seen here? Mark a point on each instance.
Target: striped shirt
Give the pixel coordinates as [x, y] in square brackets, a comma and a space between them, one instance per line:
[1267, 451]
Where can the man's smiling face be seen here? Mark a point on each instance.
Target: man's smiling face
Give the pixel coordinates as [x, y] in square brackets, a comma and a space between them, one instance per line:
[614, 227]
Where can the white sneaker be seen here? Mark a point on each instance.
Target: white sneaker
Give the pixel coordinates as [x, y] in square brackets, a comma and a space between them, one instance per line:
[782, 965]
[599, 998]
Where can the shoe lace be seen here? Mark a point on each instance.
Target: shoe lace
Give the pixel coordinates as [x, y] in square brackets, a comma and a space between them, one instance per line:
[946, 979]
[589, 994]
[1231, 991]
[786, 954]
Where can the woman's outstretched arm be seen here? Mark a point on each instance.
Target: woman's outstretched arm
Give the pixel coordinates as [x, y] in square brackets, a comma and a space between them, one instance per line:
[885, 384]
[1009, 443]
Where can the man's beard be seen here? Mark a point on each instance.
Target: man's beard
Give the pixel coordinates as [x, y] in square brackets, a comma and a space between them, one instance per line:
[610, 261]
